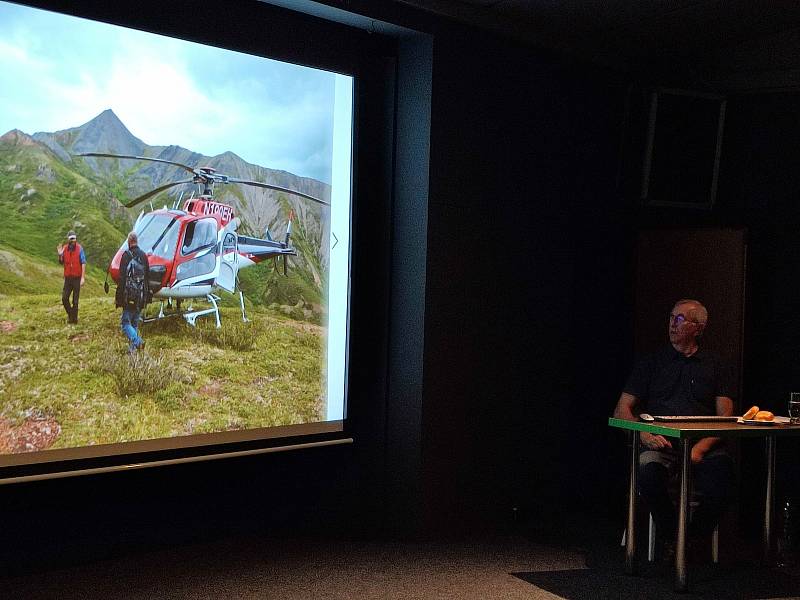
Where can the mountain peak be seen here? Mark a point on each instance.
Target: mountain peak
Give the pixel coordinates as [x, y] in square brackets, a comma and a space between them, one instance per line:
[107, 119]
[104, 133]
[108, 116]
[17, 137]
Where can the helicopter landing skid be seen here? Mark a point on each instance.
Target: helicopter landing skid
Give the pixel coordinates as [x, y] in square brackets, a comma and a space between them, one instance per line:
[191, 315]
[241, 302]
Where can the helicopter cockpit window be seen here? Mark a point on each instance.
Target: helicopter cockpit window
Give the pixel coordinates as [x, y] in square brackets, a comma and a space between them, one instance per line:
[155, 232]
[165, 246]
[199, 234]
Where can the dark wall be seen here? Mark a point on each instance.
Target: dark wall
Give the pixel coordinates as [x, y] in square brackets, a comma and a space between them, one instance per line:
[526, 278]
[759, 182]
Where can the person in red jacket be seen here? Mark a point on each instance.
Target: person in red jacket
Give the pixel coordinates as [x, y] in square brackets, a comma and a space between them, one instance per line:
[74, 261]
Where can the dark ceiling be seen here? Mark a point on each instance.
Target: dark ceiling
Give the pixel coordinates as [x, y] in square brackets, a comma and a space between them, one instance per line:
[717, 46]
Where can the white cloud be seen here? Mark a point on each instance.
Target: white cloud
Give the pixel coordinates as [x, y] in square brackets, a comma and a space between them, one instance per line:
[166, 91]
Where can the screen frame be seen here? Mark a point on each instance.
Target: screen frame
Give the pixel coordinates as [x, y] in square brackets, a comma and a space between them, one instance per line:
[333, 47]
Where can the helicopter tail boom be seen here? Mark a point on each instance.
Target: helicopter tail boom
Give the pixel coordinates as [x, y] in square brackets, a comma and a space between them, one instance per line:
[256, 250]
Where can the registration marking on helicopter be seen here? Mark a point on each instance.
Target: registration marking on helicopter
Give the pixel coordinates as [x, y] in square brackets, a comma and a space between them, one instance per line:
[224, 211]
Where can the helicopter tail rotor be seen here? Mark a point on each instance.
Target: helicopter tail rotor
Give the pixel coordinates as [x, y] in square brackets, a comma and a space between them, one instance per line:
[286, 243]
[289, 227]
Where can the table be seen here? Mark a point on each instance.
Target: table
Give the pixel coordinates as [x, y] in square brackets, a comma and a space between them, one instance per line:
[687, 432]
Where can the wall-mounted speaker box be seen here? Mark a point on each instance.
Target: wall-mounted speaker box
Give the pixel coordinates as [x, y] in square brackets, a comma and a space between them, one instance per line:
[683, 149]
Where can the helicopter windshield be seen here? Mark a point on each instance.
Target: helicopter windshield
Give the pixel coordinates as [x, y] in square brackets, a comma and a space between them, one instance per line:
[158, 234]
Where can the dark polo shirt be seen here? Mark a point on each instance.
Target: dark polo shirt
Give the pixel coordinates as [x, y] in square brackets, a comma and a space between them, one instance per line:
[669, 383]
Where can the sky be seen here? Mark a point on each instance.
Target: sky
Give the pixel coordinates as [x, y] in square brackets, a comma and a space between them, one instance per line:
[58, 72]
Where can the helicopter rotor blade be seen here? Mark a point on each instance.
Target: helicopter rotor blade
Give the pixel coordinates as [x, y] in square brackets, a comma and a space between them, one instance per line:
[205, 175]
[161, 160]
[277, 188]
[152, 193]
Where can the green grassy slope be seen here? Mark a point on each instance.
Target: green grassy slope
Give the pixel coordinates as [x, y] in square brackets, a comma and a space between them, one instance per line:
[42, 198]
[189, 380]
[22, 274]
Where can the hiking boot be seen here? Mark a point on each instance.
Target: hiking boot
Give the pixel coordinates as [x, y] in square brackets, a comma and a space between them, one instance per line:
[140, 346]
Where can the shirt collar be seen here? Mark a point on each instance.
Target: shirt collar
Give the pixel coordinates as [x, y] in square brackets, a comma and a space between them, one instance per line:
[699, 354]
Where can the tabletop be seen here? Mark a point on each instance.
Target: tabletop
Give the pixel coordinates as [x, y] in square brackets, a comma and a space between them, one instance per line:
[700, 429]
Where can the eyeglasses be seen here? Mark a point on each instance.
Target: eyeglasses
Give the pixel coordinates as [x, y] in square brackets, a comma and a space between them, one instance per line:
[679, 319]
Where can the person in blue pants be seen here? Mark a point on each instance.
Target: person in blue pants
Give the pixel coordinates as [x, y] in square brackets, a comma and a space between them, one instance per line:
[132, 306]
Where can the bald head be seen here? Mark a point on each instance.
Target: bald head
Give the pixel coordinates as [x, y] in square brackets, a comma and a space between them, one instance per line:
[687, 321]
[693, 309]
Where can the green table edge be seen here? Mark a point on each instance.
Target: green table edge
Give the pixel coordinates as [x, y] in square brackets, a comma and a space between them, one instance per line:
[642, 426]
[696, 433]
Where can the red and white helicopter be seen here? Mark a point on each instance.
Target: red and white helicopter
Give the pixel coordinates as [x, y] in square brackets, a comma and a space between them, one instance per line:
[193, 250]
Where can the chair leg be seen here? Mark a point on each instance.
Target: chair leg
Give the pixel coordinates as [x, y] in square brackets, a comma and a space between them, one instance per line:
[715, 545]
[651, 540]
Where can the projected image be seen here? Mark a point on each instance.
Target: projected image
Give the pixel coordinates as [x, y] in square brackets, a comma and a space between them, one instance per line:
[174, 241]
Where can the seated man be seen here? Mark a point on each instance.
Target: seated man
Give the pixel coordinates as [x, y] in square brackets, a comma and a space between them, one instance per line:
[682, 379]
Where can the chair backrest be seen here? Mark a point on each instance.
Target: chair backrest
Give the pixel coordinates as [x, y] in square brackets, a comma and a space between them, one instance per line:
[707, 264]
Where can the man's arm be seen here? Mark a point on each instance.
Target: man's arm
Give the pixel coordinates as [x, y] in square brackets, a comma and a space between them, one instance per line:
[624, 410]
[123, 270]
[724, 408]
[83, 266]
[148, 297]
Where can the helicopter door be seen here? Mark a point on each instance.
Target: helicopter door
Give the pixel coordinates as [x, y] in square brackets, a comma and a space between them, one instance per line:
[229, 263]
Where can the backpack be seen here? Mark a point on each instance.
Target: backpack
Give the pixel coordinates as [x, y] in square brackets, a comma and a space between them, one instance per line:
[134, 292]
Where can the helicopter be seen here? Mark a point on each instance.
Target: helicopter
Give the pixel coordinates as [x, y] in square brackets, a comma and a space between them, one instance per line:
[194, 250]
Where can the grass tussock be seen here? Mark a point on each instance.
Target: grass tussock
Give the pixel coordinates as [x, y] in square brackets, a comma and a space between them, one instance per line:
[139, 372]
[233, 335]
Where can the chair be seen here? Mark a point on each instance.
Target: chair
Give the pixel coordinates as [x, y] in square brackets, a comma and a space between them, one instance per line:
[651, 537]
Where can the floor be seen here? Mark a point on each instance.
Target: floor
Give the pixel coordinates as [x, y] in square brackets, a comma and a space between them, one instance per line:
[510, 566]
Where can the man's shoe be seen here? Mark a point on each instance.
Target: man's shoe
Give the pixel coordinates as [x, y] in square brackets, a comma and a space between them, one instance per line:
[140, 346]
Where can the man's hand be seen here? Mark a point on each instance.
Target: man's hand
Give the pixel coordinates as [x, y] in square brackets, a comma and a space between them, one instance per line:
[701, 448]
[82, 280]
[697, 454]
[60, 249]
[654, 442]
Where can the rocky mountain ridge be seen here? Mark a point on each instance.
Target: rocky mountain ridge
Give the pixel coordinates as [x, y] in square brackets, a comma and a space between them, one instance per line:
[257, 208]
[86, 192]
